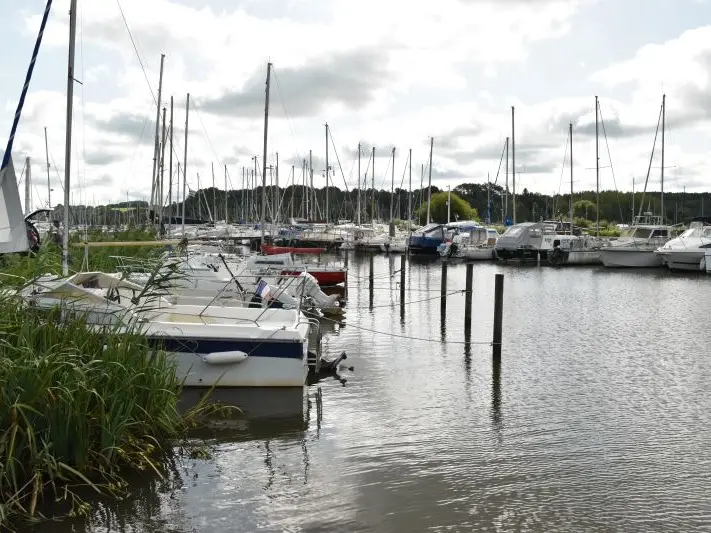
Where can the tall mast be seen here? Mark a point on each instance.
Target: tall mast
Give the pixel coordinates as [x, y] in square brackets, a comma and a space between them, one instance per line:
[156, 147]
[506, 191]
[597, 170]
[570, 129]
[276, 189]
[293, 187]
[304, 191]
[372, 198]
[488, 198]
[409, 194]
[513, 161]
[358, 201]
[226, 212]
[170, 171]
[311, 181]
[255, 176]
[264, 153]
[68, 140]
[429, 184]
[214, 195]
[46, 155]
[185, 159]
[327, 173]
[162, 171]
[664, 112]
[392, 187]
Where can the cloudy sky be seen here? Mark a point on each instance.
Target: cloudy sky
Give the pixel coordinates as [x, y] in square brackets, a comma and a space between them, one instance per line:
[380, 72]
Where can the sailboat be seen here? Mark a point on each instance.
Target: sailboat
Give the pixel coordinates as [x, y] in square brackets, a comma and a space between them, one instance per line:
[636, 247]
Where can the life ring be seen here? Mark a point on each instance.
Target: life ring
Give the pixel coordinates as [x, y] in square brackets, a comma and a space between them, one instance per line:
[557, 256]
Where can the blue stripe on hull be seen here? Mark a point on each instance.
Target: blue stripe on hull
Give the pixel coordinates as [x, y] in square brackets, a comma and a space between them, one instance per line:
[256, 348]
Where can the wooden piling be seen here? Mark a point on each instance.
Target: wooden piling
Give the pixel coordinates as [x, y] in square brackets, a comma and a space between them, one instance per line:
[468, 293]
[370, 280]
[443, 287]
[498, 314]
[402, 288]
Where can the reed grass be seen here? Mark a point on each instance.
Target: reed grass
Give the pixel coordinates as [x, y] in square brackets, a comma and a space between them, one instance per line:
[79, 407]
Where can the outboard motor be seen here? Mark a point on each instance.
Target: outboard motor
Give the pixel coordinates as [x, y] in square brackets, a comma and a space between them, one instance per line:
[308, 286]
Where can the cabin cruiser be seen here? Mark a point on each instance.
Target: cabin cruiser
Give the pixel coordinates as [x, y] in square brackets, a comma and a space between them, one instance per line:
[475, 245]
[427, 239]
[687, 251]
[636, 245]
[554, 241]
[209, 345]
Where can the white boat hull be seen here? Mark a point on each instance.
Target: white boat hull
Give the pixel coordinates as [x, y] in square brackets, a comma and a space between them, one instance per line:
[683, 260]
[478, 254]
[262, 371]
[629, 258]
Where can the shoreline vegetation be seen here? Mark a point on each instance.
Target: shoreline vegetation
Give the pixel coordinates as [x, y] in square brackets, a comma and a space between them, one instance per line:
[80, 408]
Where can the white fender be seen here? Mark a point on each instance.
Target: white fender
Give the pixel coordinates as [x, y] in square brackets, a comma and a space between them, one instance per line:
[224, 358]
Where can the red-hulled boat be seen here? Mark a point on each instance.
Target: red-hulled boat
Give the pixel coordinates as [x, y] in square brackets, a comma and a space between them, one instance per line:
[269, 249]
[324, 275]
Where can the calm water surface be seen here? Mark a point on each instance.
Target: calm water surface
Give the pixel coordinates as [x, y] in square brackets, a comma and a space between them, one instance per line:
[597, 419]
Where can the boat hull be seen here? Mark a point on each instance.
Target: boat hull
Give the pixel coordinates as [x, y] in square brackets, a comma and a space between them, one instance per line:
[629, 258]
[519, 254]
[268, 364]
[269, 249]
[325, 278]
[478, 254]
[683, 260]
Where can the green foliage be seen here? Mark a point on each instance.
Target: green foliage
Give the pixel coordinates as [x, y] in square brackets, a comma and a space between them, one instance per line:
[460, 210]
[76, 406]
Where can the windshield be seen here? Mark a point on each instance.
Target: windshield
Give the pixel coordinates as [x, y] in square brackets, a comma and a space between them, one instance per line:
[514, 231]
[642, 233]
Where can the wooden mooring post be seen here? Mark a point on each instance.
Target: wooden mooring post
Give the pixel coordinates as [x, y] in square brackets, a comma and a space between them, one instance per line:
[370, 281]
[498, 315]
[468, 293]
[402, 287]
[443, 288]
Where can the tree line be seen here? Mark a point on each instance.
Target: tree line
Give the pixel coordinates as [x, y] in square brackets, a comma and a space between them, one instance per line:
[244, 205]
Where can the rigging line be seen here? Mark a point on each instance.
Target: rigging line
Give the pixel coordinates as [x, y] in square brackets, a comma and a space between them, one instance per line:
[609, 158]
[338, 159]
[400, 336]
[651, 157]
[135, 48]
[408, 302]
[503, 151]
[562, 171]
[385, 175]
[288, 115]
[207, 136]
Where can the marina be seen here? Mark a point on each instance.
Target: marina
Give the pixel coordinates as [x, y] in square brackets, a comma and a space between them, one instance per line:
[567, 432]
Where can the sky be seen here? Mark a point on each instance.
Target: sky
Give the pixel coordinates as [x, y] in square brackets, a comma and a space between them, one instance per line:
[381, 73]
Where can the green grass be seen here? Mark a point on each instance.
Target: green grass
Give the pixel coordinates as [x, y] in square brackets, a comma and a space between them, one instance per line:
[79, 407]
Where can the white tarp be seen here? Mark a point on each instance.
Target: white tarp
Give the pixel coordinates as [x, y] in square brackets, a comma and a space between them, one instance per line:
[13, 232]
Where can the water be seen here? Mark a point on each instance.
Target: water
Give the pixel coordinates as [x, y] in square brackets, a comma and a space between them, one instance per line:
[596, 420]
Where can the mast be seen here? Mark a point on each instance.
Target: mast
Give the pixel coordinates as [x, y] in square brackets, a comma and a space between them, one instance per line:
[429, 184]
[506, 191]
[327, 173]
[358, 201]
[170, 171]
[372, 198]
[213, 215]
[68, 139]
[597, 170]
[185, 159]
[570, 129]
[488, 198]
[46, 155]
[513, 162]
[293, 187]
[243, 198]
[311, 180]
[276, 190]
[226, 212]
[664, 102]
[255, 176]
[264, 153]
[392, 187]
[449, 203]
[162, 171]
[154, 176]
[28, 190]
[409, 195]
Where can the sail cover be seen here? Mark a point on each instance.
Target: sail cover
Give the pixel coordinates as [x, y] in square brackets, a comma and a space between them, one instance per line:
[13, 231]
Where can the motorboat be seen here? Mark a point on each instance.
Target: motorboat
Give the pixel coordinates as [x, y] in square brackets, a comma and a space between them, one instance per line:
[687, 251]
[284, 264]
[636, 245]
[477, 244]
[426, 240]
[209, 345]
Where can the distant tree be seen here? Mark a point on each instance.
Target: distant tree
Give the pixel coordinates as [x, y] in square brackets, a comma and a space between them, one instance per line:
[460, 210]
